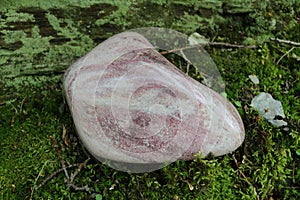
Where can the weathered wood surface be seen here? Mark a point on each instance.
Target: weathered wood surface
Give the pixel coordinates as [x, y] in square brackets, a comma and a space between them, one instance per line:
[39, 40]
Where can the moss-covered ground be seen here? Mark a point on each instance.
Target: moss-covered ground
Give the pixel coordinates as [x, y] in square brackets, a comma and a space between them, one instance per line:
[40, 39]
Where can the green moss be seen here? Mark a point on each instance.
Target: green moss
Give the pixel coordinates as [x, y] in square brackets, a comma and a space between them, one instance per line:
[39, 40]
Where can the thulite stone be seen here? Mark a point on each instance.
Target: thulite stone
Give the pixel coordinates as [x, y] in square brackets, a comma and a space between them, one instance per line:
[131, 107]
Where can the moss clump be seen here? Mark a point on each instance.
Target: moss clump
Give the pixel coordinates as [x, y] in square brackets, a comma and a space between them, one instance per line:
[40, 40]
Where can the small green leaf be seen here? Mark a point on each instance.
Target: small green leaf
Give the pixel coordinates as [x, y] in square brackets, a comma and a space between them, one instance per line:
[224, 94]
[298, 152]
[98, 197]
[238, 104]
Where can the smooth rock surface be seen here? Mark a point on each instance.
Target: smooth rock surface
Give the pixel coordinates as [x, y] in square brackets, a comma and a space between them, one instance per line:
[132, 107]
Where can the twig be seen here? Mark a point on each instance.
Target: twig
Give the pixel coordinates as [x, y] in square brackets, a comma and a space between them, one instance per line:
[64, 168]
[237, 164]
[286, 42]
[54, 174]
[286, 53]
[188, 62]
[232, 45]
[59, 156]
[80, 165]
[83, 188]
[36, 179]
[210, 44]
[245, 177]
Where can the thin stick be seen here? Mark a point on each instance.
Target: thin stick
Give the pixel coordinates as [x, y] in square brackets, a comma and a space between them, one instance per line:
[54, 174]
[59, 155]
[286, 42]
[36, 179]
[75, 187]
[188, 62]
[232, 45]
[237, 164]
[245, 177]
[64, 168]
[286, 53]
[211, 44]
[80, 165]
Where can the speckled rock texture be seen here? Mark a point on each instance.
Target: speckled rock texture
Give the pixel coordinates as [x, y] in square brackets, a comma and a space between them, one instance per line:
[131, 105]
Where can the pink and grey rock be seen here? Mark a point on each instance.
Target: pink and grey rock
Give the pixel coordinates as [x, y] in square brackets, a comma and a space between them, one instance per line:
[135, 111]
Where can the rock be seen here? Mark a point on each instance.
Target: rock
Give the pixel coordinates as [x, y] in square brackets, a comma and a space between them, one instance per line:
[136, 112]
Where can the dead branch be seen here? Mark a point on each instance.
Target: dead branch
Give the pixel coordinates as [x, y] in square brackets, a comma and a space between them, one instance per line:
[245, 177]
[297, 44]
[59, 156]
[69, 179]
[54, 174]
[228, 45]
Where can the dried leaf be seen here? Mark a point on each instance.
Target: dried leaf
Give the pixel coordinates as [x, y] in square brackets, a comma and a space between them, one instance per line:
[269, 108]
[196, 38]
[254, 79]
